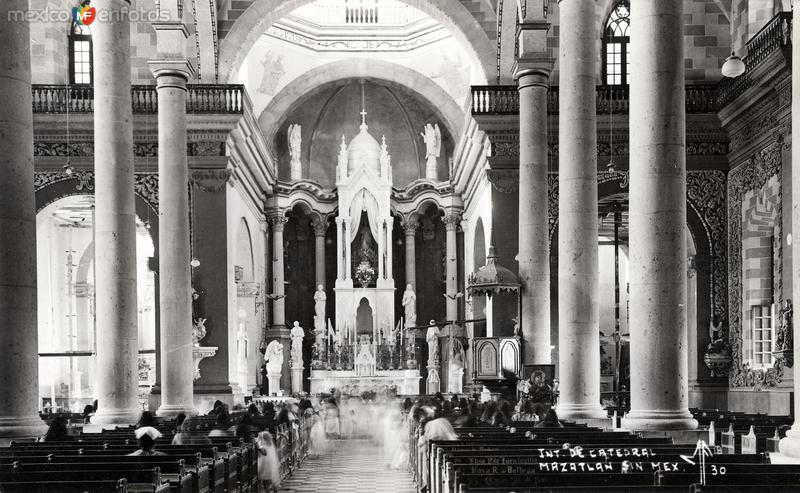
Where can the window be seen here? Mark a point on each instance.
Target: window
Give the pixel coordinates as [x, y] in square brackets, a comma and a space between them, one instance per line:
[762, 335]
[616, 45]
[80, 54]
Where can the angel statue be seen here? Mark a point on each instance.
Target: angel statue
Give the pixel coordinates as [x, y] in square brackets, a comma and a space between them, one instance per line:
[198, 330]
[295, 140]
[410, 305]
[433, 147]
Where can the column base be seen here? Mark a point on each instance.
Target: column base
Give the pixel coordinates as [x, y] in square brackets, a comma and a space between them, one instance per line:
[172, 410]
[581, 411]
[19, 427]
[113, 417]
[659, 420]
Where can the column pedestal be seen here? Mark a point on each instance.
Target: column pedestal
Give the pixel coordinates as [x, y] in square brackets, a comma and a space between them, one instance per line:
[274, 384]
[297, 379]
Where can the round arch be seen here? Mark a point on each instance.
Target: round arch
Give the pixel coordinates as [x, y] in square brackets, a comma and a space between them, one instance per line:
[244, 251]
[261, 14]
[392, 74]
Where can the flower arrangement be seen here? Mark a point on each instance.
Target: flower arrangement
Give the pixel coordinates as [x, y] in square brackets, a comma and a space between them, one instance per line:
[365, 274]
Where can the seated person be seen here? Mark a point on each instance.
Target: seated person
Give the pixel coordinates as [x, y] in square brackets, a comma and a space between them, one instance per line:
[57, 431]
[189, 434]
[550, 420]
[146, 437]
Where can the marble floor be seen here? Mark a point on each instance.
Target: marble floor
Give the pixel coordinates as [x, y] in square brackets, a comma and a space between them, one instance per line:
[349, 466]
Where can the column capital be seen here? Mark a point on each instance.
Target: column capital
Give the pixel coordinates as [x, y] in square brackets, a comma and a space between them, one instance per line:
[277, 220]
[410, 225]
[172, 72]
[533, 71]
[320, 226]
[451, 221]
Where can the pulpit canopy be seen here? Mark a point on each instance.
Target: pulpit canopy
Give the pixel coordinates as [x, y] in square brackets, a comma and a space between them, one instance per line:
[492, 278]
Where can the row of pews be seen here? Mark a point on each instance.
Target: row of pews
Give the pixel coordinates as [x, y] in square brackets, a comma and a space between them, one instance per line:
[524, 459]
[99, 463]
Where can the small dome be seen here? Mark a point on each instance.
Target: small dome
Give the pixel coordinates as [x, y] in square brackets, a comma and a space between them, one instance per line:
[363, 150]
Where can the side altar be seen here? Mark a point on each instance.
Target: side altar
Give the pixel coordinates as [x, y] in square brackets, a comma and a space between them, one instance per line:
[365, 351]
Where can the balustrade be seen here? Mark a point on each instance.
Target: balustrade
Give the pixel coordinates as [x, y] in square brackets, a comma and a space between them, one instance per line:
[201, 98]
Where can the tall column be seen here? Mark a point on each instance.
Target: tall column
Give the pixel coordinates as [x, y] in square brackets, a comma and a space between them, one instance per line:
[389, 247]
[175, 279]
[578, 269]
[659, 385]
[19, 366]
[451, 221]
[278, 222]
[381, 240]
[339, 249]
[320, 228]
[534, 243]
[791, 444]
[115, 219]
[348, 245]
[410, 225]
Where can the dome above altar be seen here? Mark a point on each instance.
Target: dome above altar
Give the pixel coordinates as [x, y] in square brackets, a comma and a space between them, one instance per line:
[363, 151]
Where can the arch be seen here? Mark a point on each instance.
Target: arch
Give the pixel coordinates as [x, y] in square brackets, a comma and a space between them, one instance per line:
[364, 322]
[261, 14]
[303, 87]
[244, 251]
[478, 261]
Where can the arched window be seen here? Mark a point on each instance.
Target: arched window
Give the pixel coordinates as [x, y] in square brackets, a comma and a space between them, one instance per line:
[80, 54]
[616, 45]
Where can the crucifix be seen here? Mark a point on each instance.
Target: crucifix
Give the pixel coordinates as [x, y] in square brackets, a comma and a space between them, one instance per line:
[363, 116]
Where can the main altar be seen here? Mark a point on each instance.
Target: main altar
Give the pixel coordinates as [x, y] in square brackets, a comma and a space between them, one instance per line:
[365, 348]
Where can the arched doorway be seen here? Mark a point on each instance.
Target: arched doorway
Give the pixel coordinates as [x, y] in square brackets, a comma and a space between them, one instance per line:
[66, 301]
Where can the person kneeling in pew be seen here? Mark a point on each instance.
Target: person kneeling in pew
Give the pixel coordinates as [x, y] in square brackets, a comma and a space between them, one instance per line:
[146, 437]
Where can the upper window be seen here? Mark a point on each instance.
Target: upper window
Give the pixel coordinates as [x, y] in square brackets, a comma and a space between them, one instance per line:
[762, 335]
[80, 54]
[616, 45]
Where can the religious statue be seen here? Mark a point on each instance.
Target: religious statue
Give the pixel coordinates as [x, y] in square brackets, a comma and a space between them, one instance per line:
[433, 343]
[273, 357]
[294, 137]
[297, 334]
[433, 146]
[198, 330]
[456, 366]
[320, 299]
[410, 305]
[784, 340]
[241, 348]
[319, 335]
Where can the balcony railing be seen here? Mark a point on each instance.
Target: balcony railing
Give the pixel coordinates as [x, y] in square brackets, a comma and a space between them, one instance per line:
[504, 100]
[701, 98]
[201, 98]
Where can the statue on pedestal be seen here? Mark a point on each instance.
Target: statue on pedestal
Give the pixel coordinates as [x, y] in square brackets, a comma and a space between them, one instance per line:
[410, 305]
[241, 352]
[433, 344]
[433, 147]
[294, 136]
[320, 299]
[273, 356]
[297, 334]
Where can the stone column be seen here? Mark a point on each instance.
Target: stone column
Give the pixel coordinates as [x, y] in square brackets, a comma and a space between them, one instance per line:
[278, 222]
[410, 226]
[320, 228]
[19, 369]
[348, 246]
[790, 445]
[534, 242]
[578, 269]
[451, 221]
[659, 385]
[339, 250]
[381, 240]
[116, 389]
[175, 279]
[389, 247]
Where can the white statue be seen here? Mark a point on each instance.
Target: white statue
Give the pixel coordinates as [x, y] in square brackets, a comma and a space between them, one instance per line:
[433, 148]
[295, 146]
[273, 356]
[410, 305]
[241, 348]
[320, 299]
[433, 343]
[341, 167]
[297, 334]
[198, 330]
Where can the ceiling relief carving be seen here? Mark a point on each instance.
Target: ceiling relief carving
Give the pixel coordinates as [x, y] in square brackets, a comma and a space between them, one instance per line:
[504, 180]
[752, 175]
[140, 149]
[145, 185]
[210, 180]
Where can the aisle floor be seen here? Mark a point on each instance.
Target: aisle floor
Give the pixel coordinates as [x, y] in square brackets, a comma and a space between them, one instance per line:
[350, 466]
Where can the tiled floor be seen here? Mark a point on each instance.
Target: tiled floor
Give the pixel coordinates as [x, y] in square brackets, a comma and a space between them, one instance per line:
[350, 466]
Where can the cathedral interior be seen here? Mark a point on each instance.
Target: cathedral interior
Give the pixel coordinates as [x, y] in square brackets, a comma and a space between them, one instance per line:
[547, 183]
